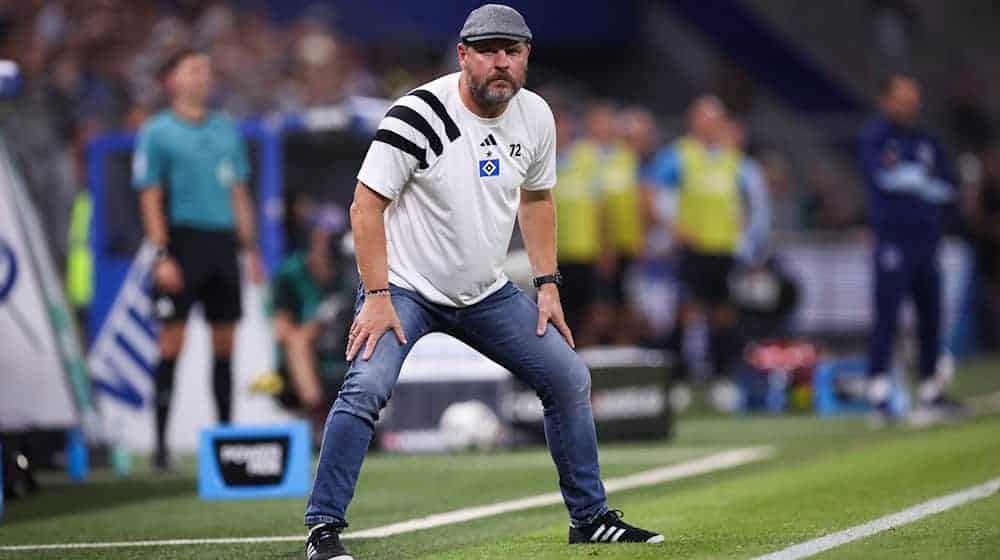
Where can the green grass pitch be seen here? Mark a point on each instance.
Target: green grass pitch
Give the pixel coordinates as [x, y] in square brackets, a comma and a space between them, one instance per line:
[825, 476]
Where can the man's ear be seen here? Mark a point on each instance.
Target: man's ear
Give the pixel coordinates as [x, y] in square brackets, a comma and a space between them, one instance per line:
[167, 83]
[463, 52]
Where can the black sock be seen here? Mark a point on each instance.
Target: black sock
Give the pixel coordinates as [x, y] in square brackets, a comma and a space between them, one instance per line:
[675, 345]
[164, 390]
[222, 384]
[722, 349]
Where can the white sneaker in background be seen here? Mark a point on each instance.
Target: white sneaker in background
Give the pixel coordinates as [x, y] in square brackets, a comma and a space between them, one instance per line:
[944, 374]
[725, 397]
[879, 389]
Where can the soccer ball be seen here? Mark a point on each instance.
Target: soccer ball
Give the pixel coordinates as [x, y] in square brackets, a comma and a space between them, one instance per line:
[470, 425]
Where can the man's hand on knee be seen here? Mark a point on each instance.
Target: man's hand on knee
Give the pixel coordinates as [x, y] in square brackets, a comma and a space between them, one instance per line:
[377, 316]
[550, 309]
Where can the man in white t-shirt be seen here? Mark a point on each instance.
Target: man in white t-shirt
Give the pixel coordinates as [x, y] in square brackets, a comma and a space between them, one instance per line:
[451, 166]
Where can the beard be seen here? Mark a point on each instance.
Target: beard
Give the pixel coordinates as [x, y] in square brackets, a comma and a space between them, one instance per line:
[488, 96]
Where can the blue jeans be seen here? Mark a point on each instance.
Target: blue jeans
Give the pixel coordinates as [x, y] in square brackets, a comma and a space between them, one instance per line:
[502, 327]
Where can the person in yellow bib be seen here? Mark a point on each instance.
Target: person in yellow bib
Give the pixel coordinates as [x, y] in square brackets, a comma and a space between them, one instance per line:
[600, 227]
[579, 235]
[80, 262]
[714, 186]
[618, 177]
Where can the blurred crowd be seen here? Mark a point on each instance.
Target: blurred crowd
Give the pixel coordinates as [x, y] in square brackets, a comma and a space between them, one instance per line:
[89, 67]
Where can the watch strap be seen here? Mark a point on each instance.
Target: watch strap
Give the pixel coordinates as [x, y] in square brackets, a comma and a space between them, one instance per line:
[554, 278]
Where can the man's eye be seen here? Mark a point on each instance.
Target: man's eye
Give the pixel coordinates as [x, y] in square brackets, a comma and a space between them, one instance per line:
[513, 52]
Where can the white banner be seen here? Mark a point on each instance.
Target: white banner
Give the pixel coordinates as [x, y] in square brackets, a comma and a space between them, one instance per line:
[123, 358]
[835, 281]
[34, 389]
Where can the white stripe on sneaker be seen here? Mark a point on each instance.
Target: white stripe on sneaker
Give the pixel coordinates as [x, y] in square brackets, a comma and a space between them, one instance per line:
[618, 535]
[597, 533]
[655, 540]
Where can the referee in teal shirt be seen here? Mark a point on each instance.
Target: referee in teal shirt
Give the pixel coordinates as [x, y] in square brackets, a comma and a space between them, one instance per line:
[190, 168]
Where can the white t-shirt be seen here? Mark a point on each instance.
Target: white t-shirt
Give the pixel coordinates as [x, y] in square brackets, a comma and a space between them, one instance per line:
[455, 182]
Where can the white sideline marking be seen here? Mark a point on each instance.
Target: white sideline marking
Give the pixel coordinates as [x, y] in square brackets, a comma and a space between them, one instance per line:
[704, 465]
[718, 461]
[898, 519]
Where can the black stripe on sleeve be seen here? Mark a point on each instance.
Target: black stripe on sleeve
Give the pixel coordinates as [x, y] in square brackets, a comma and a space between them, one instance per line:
[396, 141]
[413, 118]
[435, 103]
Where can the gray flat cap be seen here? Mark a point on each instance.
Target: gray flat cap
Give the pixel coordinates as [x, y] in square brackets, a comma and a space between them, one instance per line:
[495, 21]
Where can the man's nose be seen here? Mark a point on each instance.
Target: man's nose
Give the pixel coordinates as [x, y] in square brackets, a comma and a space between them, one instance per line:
[501, 60]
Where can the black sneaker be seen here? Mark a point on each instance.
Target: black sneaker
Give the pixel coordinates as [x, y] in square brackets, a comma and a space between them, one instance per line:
[939, 410]
[323, 543]
[949, 406]
[609, 528]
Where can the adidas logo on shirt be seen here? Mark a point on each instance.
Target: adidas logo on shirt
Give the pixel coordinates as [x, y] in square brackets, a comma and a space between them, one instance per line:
[490, 141]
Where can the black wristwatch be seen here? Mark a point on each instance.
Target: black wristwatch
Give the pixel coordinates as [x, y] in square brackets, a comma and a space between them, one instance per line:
[555, 278]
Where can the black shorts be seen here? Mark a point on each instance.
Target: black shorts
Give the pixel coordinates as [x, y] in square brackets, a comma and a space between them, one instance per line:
[208, 261]
[578, 292]
[706, 276]
[613, 290]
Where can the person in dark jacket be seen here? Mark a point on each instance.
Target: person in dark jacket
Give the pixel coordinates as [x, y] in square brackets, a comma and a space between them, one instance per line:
[912, 196]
